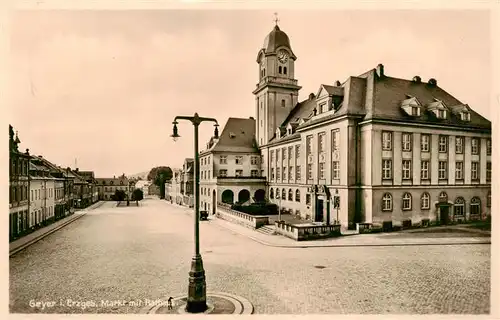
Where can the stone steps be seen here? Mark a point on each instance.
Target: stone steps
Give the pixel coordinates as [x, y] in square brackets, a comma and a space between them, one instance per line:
[268, 229]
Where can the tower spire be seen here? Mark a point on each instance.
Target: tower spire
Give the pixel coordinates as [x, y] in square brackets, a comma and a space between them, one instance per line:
[276, 19]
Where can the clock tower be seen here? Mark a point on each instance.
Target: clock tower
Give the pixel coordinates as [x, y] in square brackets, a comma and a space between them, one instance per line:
[277, 91]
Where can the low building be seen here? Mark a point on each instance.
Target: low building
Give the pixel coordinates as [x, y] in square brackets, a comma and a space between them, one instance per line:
[107, 187]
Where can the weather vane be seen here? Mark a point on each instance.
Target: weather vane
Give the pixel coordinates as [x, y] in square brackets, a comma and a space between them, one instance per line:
[276, 20]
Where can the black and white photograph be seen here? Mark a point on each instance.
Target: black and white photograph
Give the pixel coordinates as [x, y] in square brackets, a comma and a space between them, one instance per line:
[267, 160]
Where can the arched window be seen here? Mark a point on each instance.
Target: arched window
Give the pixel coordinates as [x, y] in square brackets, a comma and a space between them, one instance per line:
[407, 201]
[283, 194]
[277, 193]
[387, 202]
[475, 206]
[271, 193]
[297, 195]
[284, 70]
[459, 206]
[279, 69]
[290, 195]
[425, 201]
[443, 197]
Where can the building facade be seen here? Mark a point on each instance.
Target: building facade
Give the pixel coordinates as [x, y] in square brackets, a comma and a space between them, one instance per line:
[372, 148]
[106, 187]
[42, 195]
[18, 188]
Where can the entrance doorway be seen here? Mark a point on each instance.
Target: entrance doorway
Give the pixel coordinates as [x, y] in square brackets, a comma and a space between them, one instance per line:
[319, 210]
[214, 202]
[444, 214]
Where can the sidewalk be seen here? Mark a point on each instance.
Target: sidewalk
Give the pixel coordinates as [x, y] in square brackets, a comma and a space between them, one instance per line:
[360, 240]
[24, 242]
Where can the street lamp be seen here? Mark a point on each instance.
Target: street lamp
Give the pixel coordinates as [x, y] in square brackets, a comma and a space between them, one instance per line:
[197, 292]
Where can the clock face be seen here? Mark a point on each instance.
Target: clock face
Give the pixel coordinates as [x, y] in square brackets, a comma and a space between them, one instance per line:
[282, 56]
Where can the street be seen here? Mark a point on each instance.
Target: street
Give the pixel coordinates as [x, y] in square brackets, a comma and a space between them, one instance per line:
[113, 260]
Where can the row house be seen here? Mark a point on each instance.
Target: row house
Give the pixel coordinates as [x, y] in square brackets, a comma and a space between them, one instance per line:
[42, 195]
[173, 187]
[187, 184]
[18, 187]
[90, 178]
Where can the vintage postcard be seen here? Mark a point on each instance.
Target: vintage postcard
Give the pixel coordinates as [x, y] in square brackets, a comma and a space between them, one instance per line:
[263, 161]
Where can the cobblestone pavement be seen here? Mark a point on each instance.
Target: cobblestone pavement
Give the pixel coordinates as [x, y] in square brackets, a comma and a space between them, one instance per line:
[116, 260]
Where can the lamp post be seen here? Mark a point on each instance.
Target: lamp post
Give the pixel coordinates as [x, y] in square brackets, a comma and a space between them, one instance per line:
[197, 295]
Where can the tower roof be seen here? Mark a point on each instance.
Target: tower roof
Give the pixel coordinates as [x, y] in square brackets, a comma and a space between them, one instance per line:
[275, 39]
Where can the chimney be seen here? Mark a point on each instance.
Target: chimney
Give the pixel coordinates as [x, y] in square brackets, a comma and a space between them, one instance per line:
[432, 82]
[337, 83]
[39, 156]
[252, 118]
[380, 70]
[312, 96]
[417, 79]
[76, 169]
[28, 152]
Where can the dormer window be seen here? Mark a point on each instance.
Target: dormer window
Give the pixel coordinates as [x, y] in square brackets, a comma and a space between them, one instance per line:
[438, 108]
[411, 106]
[441, 114]
[465, 116]
[322, 107]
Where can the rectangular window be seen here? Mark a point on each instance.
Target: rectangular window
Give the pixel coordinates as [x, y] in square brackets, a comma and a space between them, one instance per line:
[272, 157]
[386, 140]
[335, 170]
[290, 153]
[308, 145]
[406, 141]
[321, 142]
[284, 173]
[474, 170]
[309, 171]
[459, 145]
[321, 170]
[239, 173]
[308, 199]
[254, 173]
[254, 160]
[414, 111]
[238, 160]
[425, 141]
[223, 173]
[223, 159]
[31, 195]
[272, 173]
[386, 169]
[441, 114]
[283, 152]
[459, 170]
[290, 173]
[488, 147]
[278, 175]
[443, 170]
[406, 169]
[443, 144]
[297, 152]
[297, 172]
[335, 140]
[424, 170]
[488, 171]
[475, 146]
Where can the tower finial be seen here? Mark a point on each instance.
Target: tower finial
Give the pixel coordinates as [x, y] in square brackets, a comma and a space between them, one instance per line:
[276, 20]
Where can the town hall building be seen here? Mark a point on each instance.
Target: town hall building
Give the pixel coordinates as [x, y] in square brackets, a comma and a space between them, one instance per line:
[372, 148]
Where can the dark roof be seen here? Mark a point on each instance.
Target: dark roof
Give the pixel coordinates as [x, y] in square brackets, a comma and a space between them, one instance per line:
[337, 91]
[238, 135]
[389, 92]
[275, 39]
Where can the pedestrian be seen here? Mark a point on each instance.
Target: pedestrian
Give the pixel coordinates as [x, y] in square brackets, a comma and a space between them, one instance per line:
[169, 307]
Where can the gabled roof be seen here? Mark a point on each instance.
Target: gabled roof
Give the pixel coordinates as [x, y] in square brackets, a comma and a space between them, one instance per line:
[238, 135]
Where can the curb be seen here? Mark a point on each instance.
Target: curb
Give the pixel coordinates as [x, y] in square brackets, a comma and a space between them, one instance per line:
[352, 245]
[269, 244]
[40, 237]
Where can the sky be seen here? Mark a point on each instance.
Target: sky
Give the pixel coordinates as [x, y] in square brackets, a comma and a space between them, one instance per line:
[103, 87]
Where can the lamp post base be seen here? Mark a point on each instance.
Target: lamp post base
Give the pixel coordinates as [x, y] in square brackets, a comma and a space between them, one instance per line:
[197, 293]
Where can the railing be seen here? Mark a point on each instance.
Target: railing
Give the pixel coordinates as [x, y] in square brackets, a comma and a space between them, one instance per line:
[225, 212]
[268, 79]
[300, 233]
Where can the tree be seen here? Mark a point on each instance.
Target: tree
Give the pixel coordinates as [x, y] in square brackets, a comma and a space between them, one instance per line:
[137, 196]
[160, 175]
[120, 195]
